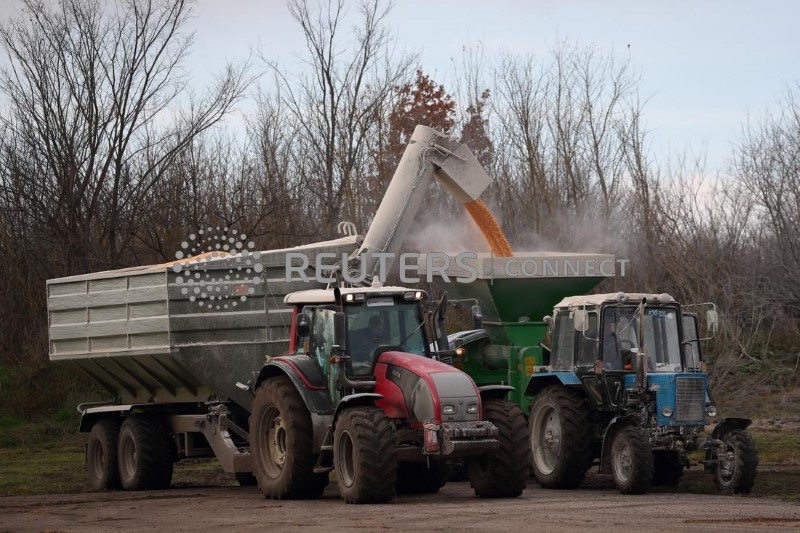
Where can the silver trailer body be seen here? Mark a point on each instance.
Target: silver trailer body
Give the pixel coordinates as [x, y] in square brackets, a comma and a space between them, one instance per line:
[138, 332]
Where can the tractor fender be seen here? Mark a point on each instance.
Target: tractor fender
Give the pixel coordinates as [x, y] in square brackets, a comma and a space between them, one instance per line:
[727, 424]
[353, 400]
[616, 424]
[313, 391]
[494, 392]
[538, 382]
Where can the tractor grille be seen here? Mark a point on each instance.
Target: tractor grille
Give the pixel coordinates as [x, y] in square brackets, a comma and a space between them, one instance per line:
[690, 399]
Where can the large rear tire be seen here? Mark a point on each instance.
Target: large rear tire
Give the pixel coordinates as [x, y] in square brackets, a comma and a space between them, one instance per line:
[145, 453]
[281, 443]
[631, 460]
[365, 456]
[561, 438]
[738, 474]
[503, 473]
[101, 455]
[421, 478]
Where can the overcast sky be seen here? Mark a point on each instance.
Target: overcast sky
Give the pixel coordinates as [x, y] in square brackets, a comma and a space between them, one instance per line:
[704, 65]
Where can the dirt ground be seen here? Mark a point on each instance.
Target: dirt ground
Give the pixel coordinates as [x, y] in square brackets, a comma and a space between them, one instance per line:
[454, 508]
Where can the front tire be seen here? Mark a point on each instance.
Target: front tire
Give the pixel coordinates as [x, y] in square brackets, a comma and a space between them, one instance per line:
[561, 438]
[145, 453]
[281, 443]
[504, 473]
[101, 455]
[631, 460]
[365, 456]
[738, 474]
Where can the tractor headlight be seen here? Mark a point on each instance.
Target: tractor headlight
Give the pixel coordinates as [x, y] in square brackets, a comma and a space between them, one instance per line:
[666, 411]
[711, 410]
[448, 410]
[472, 408]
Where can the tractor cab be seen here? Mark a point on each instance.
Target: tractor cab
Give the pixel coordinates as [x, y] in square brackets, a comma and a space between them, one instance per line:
[376, 320]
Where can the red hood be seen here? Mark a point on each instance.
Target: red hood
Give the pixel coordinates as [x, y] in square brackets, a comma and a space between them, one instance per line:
[419, 364]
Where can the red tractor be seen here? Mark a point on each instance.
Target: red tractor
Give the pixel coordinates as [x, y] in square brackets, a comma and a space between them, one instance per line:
[363, 393]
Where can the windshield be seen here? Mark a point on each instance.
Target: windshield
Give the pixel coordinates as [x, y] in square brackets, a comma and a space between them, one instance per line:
[620, 339]
[382, 321]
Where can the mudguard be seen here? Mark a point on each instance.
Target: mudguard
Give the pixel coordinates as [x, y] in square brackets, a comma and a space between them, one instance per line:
[541, 380]
[727, 424]
[91, 413]
[493, 392]
[309, 384]
[611, 428]
[352, 400]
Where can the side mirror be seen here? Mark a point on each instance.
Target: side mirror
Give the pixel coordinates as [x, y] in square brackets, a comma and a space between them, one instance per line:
[339, 331]
[580, 319]
[303, 325]
[477, 316]
[712, 320]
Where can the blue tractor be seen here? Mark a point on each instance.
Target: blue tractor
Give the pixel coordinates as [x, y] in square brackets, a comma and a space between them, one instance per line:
[625, 385]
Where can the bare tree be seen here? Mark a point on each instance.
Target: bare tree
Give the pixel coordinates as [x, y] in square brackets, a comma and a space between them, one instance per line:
[89, 90]
[334, 105]
[96, 113]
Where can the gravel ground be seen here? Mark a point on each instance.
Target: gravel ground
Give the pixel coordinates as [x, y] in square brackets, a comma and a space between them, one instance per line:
[454, 508]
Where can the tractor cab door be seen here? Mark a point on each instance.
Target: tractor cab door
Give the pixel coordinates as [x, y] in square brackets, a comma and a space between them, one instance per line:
[612, 352]
[319, 344]
[604, 388]
[691, 342]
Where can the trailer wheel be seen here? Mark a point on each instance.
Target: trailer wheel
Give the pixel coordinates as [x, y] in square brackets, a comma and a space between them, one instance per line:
[737, 474]
[503, 473]
[365, 456]
[420, 478]
[145, 453]
[561, 438]
[631, 460]
[667, 468]
[281, 443]
[101, 455]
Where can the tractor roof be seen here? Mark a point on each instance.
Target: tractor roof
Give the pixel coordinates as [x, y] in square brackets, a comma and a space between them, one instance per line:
[325, 296]
[587, 300]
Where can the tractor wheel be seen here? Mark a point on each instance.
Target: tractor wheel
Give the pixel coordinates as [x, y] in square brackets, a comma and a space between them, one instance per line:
[667, 468]
[737, 473]
[419, 478]
[631, 460]
[281, 443]
[145, 453]
[561, 438]
[101, 455]
[364, 456]
[246, 479]
[504, 472]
